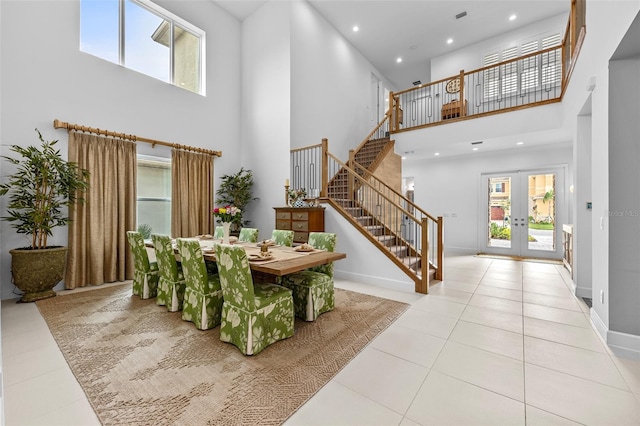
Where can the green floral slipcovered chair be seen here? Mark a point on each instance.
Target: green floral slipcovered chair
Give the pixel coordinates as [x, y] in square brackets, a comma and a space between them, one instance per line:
[172, 284]
[218, 233]
[313, 292]
[202, 303]
[249, 235]
[254, 315]
[145, 276]
[282, 238]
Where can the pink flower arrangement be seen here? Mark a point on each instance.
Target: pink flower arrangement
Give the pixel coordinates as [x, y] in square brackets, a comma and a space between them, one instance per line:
[227, 213]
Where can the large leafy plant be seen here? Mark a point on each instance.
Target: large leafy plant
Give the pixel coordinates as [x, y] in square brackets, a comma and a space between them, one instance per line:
[42, 185]
[236, 190]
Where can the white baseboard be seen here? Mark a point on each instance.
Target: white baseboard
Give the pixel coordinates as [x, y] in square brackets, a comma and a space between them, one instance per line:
[582, 291]
[459, 251]
[600, 326]
[622, 344]
[625, 345]
[379, 281]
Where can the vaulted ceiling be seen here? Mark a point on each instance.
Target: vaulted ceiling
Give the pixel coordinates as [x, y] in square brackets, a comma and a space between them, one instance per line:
[417, 30]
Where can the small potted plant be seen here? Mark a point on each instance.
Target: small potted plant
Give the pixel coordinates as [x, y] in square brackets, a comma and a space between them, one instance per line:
[41, 186]
[236, 190]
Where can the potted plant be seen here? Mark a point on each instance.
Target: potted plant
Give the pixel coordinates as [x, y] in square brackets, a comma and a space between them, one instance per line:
[38, 190]
[236, 190]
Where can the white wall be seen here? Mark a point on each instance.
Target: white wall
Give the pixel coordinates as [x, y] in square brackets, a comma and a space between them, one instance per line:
[450, 187]
[470, 57]
[607, 22]
[45, 76]
[266, 112]
[330, 85]
[624, 196]
[582, 215]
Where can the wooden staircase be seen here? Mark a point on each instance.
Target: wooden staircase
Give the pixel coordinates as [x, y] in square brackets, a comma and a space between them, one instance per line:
[344, 195]
[406, 234]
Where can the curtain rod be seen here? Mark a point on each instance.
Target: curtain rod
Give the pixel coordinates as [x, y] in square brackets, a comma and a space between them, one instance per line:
[61, 124]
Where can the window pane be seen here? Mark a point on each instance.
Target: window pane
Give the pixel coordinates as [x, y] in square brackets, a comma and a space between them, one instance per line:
[99, 29]
[154, 194]
[186, 59]
[147, 39]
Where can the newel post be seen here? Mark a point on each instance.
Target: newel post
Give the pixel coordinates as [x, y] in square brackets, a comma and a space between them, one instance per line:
[352, 165]
[423, 286]
[440, 269]
[463, 102]
[325, 167]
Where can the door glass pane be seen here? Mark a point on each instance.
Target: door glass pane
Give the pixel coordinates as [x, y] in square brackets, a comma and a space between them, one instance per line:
[542, 212]
[147, 39]
[499, 226]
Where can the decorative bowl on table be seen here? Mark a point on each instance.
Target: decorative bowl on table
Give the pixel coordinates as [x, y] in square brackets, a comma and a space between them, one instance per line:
[305, 247]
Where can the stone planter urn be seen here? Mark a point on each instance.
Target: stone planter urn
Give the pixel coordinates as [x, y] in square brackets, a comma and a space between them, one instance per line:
[37, 271]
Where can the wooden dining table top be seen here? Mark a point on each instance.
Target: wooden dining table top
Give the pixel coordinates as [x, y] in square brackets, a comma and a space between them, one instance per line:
[285, 260]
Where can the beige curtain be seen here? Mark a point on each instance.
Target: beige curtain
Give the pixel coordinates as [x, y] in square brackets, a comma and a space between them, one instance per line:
[191, 194]
[98, 251]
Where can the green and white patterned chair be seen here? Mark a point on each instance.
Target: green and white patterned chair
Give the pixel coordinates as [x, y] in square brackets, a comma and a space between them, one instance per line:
[172, 284]
[313, 291]
[249, 235]
[282, 238]
[254, 315]
[146, 274]
[202, 303]
[218, 233]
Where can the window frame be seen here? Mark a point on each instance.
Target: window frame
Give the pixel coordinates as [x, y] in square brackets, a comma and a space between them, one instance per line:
[174, 21]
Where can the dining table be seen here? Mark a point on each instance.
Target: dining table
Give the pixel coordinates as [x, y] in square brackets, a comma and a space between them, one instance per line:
[281, 260]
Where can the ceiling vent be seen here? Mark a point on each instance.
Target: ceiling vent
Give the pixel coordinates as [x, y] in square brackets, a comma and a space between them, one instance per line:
[476, 143]
[461, 15]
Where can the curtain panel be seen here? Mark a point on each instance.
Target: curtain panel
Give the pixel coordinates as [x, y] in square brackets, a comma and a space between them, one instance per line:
[98, 250]
[191, 194]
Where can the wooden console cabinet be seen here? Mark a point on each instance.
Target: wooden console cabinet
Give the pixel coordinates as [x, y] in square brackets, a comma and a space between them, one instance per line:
[452, 110]
[301, 220]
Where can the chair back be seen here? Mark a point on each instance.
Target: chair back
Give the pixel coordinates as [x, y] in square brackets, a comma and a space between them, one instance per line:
[165, 256]
[324, 241]
[282, 237]
[235, 276]
[139, 251]
[249, 235]
[218, 233]
[193, 266]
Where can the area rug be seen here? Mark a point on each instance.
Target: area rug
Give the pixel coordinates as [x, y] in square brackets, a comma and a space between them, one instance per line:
[139, 364]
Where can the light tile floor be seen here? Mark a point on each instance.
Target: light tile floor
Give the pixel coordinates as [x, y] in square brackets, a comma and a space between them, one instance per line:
[499, 342]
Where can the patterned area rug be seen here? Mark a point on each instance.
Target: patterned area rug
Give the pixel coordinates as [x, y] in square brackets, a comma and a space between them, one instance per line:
[139, 364]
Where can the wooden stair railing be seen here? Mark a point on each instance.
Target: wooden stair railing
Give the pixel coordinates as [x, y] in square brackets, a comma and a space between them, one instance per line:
[407, 235]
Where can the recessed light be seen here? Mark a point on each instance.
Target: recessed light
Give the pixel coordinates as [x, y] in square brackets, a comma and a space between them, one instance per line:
[520, 143]
[512, 17]
[398, 60]
[436, 154]
[355, 28]
[475, 149]
[404, 158]
[449, 40]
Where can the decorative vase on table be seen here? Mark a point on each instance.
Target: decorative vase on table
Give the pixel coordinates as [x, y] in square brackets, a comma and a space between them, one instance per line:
[297, 196]
[299, 202]
[225, 233]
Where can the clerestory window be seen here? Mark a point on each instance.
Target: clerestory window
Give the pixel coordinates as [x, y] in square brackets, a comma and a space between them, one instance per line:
[144, 37]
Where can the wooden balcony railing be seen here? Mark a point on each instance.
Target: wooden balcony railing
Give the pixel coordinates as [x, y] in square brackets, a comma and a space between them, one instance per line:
[531, 80]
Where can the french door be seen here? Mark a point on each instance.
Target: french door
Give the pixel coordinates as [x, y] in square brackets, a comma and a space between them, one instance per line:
[522, 213]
